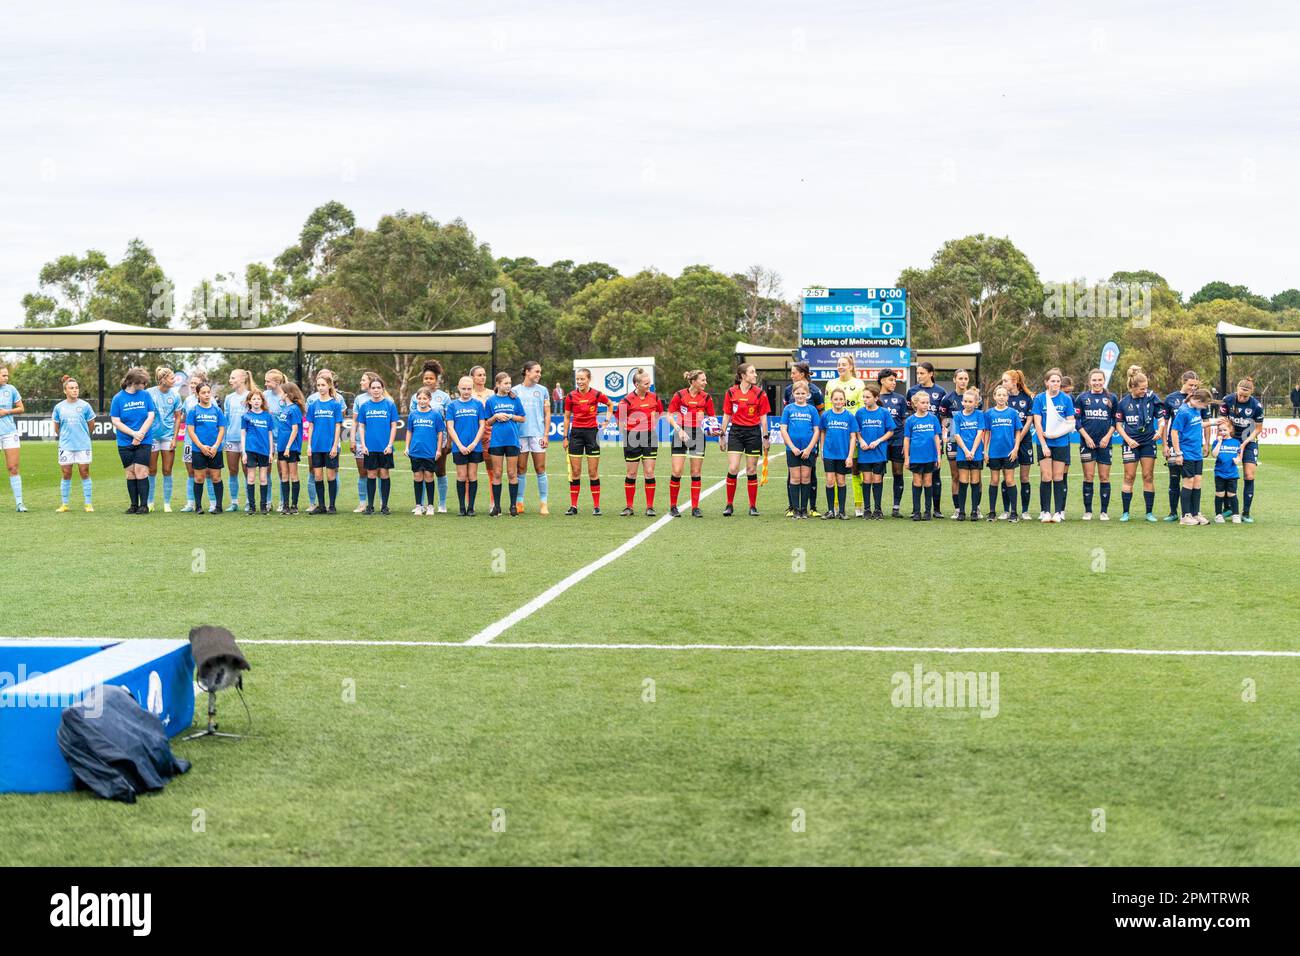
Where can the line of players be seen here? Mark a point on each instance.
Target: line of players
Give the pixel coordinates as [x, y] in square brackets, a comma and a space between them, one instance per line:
[870, 424]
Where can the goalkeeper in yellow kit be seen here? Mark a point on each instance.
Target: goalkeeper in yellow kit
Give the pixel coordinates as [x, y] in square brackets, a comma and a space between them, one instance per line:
[853, 388]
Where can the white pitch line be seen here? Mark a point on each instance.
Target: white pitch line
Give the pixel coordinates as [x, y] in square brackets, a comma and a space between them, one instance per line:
[847, 648]
[497, 628]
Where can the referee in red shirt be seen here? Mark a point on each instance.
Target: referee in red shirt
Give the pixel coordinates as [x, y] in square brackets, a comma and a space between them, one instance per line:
[745, 408]
[581, 437]
[638, 419]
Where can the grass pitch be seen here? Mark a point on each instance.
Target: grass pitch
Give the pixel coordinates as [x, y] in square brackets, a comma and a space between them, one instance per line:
[501, 755]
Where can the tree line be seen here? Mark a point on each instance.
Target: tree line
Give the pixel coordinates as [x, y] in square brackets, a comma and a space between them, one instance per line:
[412, 272]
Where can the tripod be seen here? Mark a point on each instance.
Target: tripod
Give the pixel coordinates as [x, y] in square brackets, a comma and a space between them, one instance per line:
[212, 722]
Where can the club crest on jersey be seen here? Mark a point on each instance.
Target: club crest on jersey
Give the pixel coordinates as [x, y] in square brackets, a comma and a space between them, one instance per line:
[614, 381]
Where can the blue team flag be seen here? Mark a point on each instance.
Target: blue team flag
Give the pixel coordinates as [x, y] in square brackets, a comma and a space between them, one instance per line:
[1109, 359]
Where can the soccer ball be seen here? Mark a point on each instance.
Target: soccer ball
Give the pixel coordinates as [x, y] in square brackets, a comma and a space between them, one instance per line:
[712, 426]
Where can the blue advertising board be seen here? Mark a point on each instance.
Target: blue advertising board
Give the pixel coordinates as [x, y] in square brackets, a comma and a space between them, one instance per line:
[822, 360]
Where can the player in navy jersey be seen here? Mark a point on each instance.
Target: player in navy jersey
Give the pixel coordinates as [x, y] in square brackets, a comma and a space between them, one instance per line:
[838, 427]
[427, 430]
[969, 430]
[925, 383]
[875, 427]
[949, 407]
[288, 444]
[256, 438]
[1004, 427]
[1187, 438]
[1246, 415]
[1137, 420]
[802, 372]
[1095, 414]
[1021, 399]
[1054, 445]
[1173, 401]
[896, 404]
[800, 426]
[922, 449]
[1226, 452]
[376, 426]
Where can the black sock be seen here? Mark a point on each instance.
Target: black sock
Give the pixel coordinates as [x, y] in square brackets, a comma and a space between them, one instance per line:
[419, 493]
[198, 495]
[830, 497]
[385, 489]
[264, 495]
[1044, 495]
[1232, 502]
[977, 490]
[1025, 493]
[320, 493]
[130, 493]
[993, 496]
[1196, 501]
[334, 493]
[879, 490]
[843, 493]
[219, 492]
[1247, 495]
[460, 494]
[1218, 504]
[293, 493]
[1087, 496]
[1175, 493]
[1058, 494]
[472, 493]
[898, 491]
[961, 497]
[1149, 497]
[371, 488]
[514, 492]
[1185, 500]
[284, 494]
[431, 492]
[916, 499]
[936, 488]
[1105, 496]
[1127, 498]
[790, 493]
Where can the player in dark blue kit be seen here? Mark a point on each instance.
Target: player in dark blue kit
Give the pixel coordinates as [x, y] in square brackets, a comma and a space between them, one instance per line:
[800, 426]
[1094, 412]
[1227, 462]
[969, 431]
[925, 383]
[1246, 414]
[1137, 419]
[896, 404]
[1004, 426]
[1054, 445]
[1021, 399]
[1173, 401]
[949, 407]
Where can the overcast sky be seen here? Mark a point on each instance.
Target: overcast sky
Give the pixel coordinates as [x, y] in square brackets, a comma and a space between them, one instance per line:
[835, 142]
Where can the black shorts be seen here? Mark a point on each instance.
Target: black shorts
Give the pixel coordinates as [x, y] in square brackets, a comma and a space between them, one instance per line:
[1226, 485]
[582, 442]
[1192, 469]
[1100, 455]
[976, 464]
[797, 461]
[895, 452]
[871, 467]
[422, 464]
[376, 460]
[473, 458]
[923, 468]
[694, 445]
[202, 462]
[257, 460]
[504, 451]
[134, 454]
[1061, 454]
[639, 445]
[292, 457]
[836, 466]
[323, 459]
[747, 439]
[1129, 455]
[1002, 464]
[1026, 454]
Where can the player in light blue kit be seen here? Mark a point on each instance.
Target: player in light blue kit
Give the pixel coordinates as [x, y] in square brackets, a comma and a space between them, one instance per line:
[233, 407]
[72, 419]
[533, 433]
[169, 416]
[11, 404]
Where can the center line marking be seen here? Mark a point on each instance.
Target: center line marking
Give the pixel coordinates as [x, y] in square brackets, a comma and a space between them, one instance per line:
[497, 628]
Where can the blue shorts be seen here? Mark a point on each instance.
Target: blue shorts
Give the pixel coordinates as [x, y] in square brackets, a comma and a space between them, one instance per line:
[896, 452]
[1100, 455]
[1129, 455]
[1250, 453]
[1026, 454]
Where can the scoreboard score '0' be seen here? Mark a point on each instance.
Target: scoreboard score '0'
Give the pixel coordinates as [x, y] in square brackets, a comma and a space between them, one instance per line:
[874, 318]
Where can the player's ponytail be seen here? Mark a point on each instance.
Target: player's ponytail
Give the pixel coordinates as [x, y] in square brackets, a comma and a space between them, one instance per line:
[741, 371]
